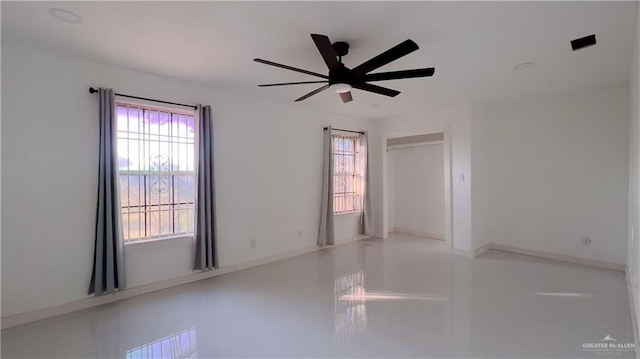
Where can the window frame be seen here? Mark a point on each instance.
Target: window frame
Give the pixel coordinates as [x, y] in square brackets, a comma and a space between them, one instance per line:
[144, 105]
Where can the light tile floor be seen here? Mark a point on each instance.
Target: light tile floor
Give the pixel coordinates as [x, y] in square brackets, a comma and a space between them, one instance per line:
[401, 297]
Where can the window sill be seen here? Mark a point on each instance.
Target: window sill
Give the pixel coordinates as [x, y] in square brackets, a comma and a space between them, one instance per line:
[348, 214]
[161, 239]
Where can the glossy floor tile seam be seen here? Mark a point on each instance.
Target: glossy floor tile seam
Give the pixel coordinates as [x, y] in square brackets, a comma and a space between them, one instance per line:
[400, 297]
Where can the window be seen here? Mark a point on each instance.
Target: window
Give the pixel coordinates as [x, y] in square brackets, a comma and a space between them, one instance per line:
[156, 153]
[347, 180]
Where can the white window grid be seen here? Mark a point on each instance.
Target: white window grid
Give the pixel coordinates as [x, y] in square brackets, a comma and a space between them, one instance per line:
[156, 150]
[347, 180]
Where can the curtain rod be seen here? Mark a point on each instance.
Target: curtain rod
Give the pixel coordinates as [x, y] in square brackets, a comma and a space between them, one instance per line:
[337, 129]
[92, 91]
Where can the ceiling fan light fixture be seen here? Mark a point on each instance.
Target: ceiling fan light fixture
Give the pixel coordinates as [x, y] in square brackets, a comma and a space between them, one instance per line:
[340, 88]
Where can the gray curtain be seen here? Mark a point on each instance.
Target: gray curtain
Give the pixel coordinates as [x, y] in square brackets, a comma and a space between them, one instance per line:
[366, 219]
[205, 231]
[325, 233]
[108, 273]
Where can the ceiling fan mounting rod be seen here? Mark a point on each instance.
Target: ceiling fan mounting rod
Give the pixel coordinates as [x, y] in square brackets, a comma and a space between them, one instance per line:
[341, 48]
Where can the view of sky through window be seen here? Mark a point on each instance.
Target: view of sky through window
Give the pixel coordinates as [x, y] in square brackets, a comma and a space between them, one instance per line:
[156, 155]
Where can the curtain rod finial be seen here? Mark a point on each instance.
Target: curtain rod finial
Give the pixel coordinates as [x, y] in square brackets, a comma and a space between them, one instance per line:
[92, 90]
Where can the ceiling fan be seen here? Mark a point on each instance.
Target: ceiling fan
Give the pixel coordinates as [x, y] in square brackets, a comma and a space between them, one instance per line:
[342, 79]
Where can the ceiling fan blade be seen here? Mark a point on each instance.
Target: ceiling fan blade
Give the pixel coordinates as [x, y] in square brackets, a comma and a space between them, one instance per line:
[346, 97]
[293, 83]
[396, 75]
[326, 50]
[290, 68]
[386, 57]
[313, 93]
[375, 89]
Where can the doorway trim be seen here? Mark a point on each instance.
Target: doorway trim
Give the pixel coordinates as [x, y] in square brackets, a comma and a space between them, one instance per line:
[448, 217]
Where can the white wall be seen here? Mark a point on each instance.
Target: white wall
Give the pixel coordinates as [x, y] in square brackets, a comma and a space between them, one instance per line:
[481, 200]
[418, 190]
[391, 184]
[265, 190]
[457, 120]
[558, 171]
[633, 261]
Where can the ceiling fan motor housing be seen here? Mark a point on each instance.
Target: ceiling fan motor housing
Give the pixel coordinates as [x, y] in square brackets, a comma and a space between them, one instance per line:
[341, 75]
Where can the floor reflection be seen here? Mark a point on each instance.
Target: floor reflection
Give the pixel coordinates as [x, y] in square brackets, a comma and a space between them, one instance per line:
[364, 295]
[562, 294]
[175, 346]
[351, 313]
[399, 298]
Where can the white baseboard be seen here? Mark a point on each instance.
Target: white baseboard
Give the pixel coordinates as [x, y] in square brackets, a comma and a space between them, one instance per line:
[56, 310]
[460, 252]
[352, 239]
[478, 251]
[559, 257]
[632, 307]
[416, 233]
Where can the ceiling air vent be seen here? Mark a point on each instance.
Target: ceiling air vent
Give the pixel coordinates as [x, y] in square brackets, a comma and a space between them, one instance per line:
[582, 42]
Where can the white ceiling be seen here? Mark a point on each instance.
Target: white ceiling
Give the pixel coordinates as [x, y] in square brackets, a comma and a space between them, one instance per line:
[473, 45]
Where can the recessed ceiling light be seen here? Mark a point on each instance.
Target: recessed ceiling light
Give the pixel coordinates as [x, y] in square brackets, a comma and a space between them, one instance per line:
[65, 15]
[523, 66]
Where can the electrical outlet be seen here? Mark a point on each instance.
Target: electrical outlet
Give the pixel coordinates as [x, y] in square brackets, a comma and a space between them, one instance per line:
[299, 234]
[586, 240]
[253, 243]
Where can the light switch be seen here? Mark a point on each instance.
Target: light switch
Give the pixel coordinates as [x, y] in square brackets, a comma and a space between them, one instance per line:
[461, 177]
